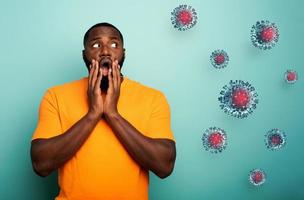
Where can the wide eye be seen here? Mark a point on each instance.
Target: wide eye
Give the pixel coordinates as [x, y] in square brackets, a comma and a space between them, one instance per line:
[96, 45]
[114, 45]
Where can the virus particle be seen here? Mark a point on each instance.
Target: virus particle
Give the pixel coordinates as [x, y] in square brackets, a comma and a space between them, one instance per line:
[183, 17]
[238, 99]
[219, 59]
[214, 140]
[264, 35]
[275, 139]
[257, 177]
[291, 76]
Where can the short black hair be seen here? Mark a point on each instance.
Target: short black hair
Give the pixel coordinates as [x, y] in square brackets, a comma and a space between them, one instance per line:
[105, 24]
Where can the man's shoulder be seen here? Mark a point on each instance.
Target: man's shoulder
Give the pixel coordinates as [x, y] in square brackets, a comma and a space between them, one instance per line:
[143, 89]
[68, 86]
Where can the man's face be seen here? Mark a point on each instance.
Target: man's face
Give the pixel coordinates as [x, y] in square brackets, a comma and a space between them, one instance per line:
[104, 45]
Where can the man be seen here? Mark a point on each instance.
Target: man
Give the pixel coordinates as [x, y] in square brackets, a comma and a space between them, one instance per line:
[104, 132]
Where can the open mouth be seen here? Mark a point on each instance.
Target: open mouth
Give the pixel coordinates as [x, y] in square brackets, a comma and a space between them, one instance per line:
[105, 64]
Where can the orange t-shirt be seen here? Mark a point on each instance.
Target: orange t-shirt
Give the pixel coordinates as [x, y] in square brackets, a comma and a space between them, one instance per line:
[102, 168]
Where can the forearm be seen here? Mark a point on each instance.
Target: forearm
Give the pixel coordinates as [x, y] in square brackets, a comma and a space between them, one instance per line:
[50, 154]
[157, 155]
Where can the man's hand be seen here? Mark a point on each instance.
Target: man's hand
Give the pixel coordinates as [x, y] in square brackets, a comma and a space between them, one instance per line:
[111, 100]
[96, 107]
[52, 153]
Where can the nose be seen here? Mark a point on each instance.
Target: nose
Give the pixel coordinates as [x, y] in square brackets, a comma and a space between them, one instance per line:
[105, 51]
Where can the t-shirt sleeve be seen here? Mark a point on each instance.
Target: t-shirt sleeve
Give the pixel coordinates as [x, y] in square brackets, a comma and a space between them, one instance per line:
[49, 120]
[159, 124]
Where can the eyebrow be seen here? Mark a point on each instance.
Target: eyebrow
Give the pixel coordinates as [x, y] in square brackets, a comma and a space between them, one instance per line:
[97, 38]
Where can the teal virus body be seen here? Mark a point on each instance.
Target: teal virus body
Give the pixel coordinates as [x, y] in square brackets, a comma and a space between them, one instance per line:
[264, 35]
[238, 99]
[214, 140]
[183, 17]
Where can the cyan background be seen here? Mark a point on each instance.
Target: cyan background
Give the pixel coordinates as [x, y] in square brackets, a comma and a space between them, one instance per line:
[41, 43]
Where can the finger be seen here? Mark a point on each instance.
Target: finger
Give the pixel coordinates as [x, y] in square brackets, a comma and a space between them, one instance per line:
[95, 73]
[92, 74]
[118, 75]
[98, 81]
[114, 66]
[110, 89]
[118, 72]
[118, 78]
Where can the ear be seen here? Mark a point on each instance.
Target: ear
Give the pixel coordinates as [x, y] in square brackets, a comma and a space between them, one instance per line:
[86, 61]
[83, 54]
